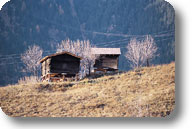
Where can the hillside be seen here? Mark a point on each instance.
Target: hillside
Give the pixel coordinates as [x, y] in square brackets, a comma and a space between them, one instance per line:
[105, 23]
[140, 93]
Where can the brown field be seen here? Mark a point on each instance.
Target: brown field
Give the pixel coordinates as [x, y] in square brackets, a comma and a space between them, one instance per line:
[146, 92]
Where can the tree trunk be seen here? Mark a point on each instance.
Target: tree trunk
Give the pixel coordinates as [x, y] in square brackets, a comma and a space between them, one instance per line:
[34, 73]
[147, 62]
[89, 70]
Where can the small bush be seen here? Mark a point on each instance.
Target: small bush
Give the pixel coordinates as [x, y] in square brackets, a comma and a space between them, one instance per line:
[29, 80]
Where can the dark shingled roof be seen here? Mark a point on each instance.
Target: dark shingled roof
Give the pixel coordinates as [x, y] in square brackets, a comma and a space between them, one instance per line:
[57, 54]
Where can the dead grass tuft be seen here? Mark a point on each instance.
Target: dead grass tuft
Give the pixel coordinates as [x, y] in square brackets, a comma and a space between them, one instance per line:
[29, 80]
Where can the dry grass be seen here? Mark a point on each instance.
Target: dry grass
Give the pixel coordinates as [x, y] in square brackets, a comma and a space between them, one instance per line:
[147, 92]
[29, 80]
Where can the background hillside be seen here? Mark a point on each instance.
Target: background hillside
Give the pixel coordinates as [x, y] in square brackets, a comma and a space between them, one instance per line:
[106, 23]
[146, 92]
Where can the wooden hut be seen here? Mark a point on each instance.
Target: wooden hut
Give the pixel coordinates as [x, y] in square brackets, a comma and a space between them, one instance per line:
[60, 67]
[108, 59]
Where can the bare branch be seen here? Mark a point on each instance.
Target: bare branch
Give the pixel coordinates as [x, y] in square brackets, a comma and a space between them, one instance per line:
[141, 52]
[134, 52]
[31, 58]
[149, 49]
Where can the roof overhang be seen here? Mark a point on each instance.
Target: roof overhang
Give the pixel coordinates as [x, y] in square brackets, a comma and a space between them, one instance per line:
[106, 51]
[57, 54]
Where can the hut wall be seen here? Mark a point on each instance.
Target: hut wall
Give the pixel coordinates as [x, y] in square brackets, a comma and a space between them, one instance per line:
[46, 67]
[43, 68]
[107, 61]
[65, 64]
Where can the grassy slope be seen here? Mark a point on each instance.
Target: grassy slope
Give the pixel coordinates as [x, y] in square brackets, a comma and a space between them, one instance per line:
[140, 93]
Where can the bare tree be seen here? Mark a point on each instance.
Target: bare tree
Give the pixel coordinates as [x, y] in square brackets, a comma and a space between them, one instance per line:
[88, 58]
[65, 45]
[82, 49]
[149, 49]
[31, 58]
[134, 53]
[141, 52]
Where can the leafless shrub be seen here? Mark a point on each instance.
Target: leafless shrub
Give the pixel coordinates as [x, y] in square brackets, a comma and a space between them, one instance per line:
[31, 58]
[29, 80]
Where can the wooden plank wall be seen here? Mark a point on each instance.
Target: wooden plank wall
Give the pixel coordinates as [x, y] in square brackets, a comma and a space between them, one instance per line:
[65, 64]
[46, 67]
[107, 61]
[61, 64]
